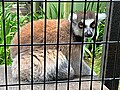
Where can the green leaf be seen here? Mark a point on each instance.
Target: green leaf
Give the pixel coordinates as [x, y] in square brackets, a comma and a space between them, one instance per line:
[50, 13]
[55, 10]
[88, 51]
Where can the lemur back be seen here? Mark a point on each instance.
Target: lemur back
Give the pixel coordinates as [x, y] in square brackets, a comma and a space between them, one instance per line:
[38, 37]
[38, 34]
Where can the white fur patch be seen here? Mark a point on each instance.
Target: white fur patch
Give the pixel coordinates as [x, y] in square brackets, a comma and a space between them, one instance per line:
[88, 22]
[101, 16]
[74, 17]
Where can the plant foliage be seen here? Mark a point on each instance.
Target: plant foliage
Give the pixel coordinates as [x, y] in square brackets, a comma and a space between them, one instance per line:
[11, 27]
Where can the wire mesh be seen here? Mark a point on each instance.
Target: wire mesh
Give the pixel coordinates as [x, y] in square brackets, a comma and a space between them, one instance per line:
[45, 44]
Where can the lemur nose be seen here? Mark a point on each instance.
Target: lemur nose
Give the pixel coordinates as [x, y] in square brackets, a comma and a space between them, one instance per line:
[88, 34]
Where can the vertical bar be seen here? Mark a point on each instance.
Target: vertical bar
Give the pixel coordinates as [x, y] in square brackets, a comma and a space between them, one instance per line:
[70, 44]
[94, 42]
[58, 43]
[116, 69]
[32, 44]
[82, 45]
[106, 45]
[18, 42]
[115, 64]
[3, 17]
[111, 71]
[45, 42]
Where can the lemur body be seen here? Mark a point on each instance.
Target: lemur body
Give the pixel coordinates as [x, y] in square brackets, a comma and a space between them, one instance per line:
[51, 50]
[38, 37]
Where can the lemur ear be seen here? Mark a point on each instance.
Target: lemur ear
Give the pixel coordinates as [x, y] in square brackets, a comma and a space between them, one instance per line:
[74, 17]
[101, 16]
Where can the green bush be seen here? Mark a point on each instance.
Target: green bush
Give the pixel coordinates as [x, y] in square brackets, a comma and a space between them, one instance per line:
[10, 28]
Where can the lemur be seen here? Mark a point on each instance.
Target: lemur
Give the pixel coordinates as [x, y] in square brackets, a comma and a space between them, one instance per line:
[64, 62]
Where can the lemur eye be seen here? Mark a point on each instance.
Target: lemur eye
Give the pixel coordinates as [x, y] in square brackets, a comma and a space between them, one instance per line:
[92, 25]
[81, 25]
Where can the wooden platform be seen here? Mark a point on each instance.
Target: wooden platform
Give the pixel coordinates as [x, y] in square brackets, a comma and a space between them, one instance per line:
[60, 86]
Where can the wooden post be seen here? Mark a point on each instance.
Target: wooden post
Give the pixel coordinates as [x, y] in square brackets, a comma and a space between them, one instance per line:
[112, 63]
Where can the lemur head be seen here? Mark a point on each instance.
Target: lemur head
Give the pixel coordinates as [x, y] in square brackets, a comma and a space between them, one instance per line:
[89, 26]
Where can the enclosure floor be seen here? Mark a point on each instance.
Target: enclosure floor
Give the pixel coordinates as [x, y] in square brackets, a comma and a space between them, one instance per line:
[60, 86]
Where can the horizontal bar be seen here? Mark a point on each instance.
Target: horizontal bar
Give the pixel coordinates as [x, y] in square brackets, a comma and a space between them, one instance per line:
[63, 81]
[58, 1]
[65, 43]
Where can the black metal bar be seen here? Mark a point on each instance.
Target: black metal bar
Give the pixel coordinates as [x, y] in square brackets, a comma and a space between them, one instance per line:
[64, 43]
[116, 74]
[106, 45]
[82, 45]
[45, 21]
[4, 32]
[94, 40]
[63, 81]
[116, 71]
[58, 29]
[18, 43]
[72, 3]
[111, 56]
[53, 1]
[112, 44]
[32, 44]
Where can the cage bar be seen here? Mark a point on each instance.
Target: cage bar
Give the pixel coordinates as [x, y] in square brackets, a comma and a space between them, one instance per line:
[111, 60]
[105, 48]
[58, 30]
[82, 54]
[68, 84]
[32, 30]
[94, 40]
[4, 32]
[45, 21]
[111, 51]
[18, 44]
